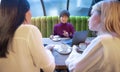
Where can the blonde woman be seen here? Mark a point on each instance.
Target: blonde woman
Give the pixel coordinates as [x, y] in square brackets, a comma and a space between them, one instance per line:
[103, 53]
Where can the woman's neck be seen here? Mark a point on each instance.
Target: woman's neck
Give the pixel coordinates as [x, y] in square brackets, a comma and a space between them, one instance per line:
[101, 31]
[26, 22]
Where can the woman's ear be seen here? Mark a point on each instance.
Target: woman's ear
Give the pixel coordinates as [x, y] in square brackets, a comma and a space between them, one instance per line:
[28, 17]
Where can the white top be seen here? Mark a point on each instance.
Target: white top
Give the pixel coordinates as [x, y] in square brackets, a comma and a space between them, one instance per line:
[102, 55]
[27, 53]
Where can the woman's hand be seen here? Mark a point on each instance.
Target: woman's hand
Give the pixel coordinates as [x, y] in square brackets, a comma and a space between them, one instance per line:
[50, 47]
[65, 33]
[72, 58]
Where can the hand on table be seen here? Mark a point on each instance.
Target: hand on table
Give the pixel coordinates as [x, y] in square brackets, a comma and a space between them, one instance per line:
[50, 46]
[74, 49]
[72, 58]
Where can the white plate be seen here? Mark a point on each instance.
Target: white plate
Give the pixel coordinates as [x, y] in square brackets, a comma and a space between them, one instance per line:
[64, 52]
[56, 39]
[61, 50]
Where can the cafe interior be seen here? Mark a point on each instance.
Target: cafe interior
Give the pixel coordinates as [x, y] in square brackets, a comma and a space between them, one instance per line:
[45, 14]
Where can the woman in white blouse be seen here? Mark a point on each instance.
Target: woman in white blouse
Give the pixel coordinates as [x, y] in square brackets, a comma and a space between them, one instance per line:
[21, 47]
[103, 53]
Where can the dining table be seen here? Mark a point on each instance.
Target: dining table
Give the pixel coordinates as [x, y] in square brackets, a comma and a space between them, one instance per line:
[60, 58]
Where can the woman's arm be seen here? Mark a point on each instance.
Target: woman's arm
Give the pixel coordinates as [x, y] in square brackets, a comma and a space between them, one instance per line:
[89, 56]
[92, 61]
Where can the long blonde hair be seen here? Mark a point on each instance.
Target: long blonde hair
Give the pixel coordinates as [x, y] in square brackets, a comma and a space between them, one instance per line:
[110, 13]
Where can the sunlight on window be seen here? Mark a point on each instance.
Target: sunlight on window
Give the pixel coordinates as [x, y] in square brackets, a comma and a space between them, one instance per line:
[53, 12]
[34, 0]
[78, 3]
[84, 3]
[54, 7]
[47, 0]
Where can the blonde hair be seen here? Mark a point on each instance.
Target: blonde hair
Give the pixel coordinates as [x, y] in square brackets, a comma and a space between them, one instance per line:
[111, 13]
[110, 17]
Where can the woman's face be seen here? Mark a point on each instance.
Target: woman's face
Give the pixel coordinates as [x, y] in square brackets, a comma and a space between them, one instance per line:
[64, 19]
[94, 21]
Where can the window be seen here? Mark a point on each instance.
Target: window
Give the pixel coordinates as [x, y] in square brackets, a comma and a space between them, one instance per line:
[79, 7]
[36, 8]
[54, 7]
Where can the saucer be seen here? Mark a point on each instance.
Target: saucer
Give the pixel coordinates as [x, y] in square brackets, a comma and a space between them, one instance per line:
[61, 50]
[80, 49]
[64, 51]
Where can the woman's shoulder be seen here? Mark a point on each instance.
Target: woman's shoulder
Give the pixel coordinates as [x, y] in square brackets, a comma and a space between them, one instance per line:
[57, 25]
[69, 24]
[25, 30]
[100, 38]
[27, 26]
[110, 38]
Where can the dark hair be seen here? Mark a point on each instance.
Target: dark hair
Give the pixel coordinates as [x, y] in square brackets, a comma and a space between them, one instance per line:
[64, 12]
[12, 15]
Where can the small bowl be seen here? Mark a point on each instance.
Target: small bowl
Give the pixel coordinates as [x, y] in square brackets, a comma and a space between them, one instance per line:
[82, 47]
[56, 36]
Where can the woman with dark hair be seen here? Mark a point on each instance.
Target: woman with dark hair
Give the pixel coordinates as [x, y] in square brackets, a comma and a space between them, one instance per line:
[21, 48]
[64, 28]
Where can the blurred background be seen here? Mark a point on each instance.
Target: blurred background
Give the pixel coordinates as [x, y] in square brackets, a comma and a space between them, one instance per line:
[54, 7]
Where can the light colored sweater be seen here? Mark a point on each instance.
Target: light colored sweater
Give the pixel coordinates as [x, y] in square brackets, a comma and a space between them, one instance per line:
[27, 53]
[102, 55]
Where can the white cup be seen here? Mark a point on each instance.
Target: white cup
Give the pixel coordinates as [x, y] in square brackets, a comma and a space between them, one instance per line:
[56, 37]
[82, 46]
[64, 47]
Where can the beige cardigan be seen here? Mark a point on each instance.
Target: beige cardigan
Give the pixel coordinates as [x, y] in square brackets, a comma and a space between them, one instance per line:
[102, 55]
[27, 53]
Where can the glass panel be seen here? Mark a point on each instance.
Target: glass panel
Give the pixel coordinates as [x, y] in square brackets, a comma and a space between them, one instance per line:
[79, 7]
[54, 7]
[36, 8]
